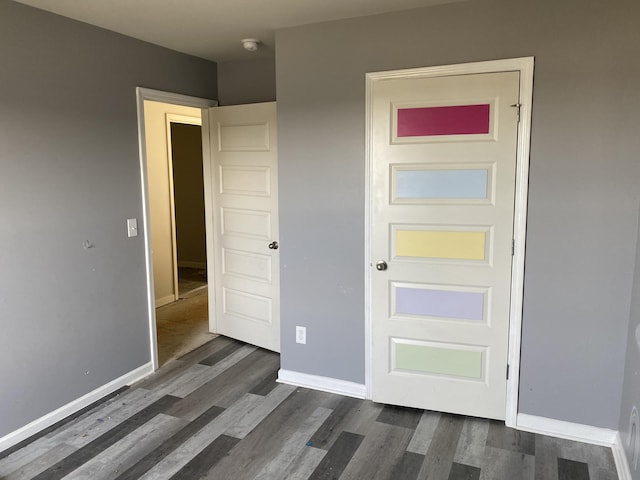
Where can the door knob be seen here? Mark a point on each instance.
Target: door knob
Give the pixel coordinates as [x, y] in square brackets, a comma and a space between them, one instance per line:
[381, 265]
[273, 245]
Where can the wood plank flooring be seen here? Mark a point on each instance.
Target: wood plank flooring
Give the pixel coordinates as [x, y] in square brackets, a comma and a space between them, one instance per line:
[217, 413]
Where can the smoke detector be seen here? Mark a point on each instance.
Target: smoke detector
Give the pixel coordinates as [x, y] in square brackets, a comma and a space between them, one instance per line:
[250, 44]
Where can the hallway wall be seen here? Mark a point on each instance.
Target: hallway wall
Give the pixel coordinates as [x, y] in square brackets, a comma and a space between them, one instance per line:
[160, 190]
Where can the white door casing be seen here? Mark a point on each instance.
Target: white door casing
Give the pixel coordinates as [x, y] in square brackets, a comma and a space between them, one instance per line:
[246, 294]
[440, 315]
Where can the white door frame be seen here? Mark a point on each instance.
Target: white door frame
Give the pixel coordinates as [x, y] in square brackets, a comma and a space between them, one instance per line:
[523, 65]
[143, 94]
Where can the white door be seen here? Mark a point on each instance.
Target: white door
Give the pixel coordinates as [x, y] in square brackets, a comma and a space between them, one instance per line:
[245, 216]
[443, 160]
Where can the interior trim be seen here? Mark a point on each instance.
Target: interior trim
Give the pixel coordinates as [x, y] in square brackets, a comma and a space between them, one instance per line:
[567, 430]
[620, 458]
[79, 403]
[325, 384]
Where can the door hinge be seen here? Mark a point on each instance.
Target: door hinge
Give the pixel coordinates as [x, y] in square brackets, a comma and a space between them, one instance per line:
[517, 105]
[513, 247]
[507, 371]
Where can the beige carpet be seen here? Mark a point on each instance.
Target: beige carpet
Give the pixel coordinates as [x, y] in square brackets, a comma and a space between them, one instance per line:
[182, 326]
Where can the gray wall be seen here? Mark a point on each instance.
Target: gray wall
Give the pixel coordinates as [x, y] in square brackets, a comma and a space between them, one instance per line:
[631, 385]
[72, 319]
[247, 81]
[188, 187]
[584, 178]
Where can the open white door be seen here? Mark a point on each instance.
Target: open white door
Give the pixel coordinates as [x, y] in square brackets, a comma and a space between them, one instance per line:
[246, 274]
[443, 163]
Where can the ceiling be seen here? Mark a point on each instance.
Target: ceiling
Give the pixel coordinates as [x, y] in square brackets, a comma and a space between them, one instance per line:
[212, 29]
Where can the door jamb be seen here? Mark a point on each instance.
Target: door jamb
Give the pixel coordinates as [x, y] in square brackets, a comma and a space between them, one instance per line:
[143, 94]
[524, 65]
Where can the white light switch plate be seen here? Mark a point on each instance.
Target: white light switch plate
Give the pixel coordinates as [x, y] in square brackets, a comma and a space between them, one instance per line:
[301, 335]
[132, 227]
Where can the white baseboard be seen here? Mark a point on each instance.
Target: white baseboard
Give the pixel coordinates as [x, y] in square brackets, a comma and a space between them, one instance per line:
[325, 384]
[620, 457]
[580, 433]
[50, 418]
[188, 264]
[195, 291]
[166, 300]
[568, 430]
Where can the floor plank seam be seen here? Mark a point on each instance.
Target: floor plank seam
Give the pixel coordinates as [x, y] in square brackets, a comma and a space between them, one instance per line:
[218, 413]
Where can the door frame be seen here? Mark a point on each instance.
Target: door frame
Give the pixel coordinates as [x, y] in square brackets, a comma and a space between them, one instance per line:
[143, 94]
[524, 65]
[186, 120]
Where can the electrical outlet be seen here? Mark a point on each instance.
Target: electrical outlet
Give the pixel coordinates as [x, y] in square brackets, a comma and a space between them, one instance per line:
[301, 335]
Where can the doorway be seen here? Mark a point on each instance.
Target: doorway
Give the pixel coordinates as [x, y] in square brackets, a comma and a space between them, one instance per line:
[188, 192]
[248, 311]
[176, 202]
[177, 324]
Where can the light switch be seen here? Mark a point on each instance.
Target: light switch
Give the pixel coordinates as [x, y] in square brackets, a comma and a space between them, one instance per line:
[132, 227]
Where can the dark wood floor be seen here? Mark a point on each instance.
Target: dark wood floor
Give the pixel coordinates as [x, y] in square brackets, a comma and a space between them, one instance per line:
[217, 413]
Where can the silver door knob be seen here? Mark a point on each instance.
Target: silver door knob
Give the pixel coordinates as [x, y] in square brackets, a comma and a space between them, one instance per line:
[273, 245]
[381, 265]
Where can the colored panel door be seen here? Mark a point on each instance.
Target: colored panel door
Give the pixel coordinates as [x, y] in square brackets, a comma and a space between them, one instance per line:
[443, 177]
[246, 267]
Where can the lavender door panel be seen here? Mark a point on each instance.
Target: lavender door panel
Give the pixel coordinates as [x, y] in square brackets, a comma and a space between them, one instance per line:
[439, 303]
